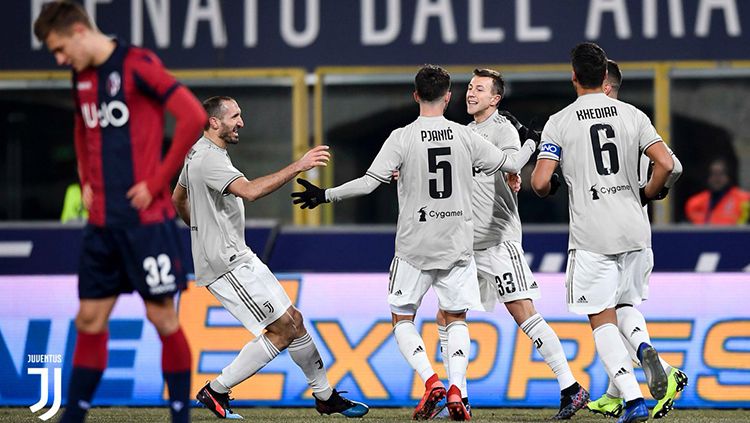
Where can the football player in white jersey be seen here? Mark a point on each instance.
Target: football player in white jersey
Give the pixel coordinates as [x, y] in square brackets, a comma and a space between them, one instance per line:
[597, 141]
[208, 198]
[630, 321]
[435, 158]
[504, 274]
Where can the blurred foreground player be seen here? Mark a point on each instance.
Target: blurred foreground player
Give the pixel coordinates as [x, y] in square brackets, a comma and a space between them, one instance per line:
[208, 197]
[609, 231]
[130, 241]
[630, 320]
[435, 158]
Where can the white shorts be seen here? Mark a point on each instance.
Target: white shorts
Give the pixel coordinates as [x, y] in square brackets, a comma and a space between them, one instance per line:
[252, 294]
[504, 275]
[596, 282]
[635, 274]
[457, 289]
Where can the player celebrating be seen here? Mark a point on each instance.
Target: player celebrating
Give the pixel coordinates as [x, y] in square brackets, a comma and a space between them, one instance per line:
[504, 274]
[130, 242]
[209, 197]
[609, 232]
[630, 321]
[434, 157]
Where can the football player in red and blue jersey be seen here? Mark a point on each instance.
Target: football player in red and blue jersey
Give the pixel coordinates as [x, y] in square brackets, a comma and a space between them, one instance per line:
[130, 242]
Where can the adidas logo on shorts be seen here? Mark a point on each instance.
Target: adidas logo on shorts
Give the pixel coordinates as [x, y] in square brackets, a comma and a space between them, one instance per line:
[582, 300]
[533, 285]
[418, 350]
[621, 372]
[398, 292]
[636, 330]
[458, 353]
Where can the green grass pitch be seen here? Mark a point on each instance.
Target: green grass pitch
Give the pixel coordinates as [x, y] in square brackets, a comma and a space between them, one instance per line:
[300, 415]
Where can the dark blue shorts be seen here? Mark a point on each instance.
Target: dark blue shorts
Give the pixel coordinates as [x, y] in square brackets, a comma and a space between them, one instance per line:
[145, 258]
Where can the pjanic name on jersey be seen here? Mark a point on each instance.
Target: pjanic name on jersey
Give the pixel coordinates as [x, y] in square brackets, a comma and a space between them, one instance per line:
[437, 135]
[599, 113]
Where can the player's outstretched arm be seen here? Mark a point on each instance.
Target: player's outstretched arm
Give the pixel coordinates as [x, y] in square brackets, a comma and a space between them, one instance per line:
[313, 195]
[181, 203]
[260, 187]
[663, 167]
[541, 177]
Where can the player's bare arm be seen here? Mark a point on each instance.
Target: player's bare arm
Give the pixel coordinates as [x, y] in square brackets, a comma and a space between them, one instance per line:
[541, 176]
[181, 203]
[663, 167]
[260, 187]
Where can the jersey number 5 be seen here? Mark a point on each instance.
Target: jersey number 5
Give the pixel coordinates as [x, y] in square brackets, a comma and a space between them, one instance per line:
[433, 165]
[600, 148]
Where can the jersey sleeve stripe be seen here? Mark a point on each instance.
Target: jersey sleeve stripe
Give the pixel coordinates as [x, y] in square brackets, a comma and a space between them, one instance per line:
[496, 169]
[649, 144]
[169, 91]
[229, 182]
[544, 155]
[382, 180]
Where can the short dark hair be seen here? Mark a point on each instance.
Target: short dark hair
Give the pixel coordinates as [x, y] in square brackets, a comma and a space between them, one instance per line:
[60, 16]
[589, 64]
[614, 75]
[432, 82]
[214, 107]
[498, 83]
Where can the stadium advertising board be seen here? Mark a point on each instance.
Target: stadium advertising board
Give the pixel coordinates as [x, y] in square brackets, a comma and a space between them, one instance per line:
[699, 322]
[311, 33]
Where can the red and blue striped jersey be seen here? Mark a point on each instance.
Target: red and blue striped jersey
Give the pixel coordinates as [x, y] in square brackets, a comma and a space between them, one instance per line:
[119, 134]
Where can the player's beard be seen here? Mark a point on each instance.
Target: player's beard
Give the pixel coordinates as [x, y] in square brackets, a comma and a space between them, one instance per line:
[228, 136]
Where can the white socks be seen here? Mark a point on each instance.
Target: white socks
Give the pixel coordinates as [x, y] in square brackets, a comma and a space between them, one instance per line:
[548, 344]
[253, 357]
[443, 334]
[632, 325]
[615, 359]
[305, 354]
[459, 348]
[412, 348]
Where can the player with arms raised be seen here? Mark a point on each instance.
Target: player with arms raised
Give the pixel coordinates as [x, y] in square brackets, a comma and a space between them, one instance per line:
[434, 235]
[597, 141]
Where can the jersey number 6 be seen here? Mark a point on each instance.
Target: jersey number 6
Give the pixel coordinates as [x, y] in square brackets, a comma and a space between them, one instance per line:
[600, 148]
[433, 165]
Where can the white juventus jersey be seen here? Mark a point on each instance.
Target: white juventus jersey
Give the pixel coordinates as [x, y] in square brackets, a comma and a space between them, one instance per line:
[217, 218]
[495, 205]
[435, 158]
[599, 141]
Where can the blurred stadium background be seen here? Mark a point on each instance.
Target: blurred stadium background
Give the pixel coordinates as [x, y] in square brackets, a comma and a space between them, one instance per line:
[340, 73]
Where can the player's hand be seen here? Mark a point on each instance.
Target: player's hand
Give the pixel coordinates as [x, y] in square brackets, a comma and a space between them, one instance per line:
[317, 156]
[139, 195]
[87, 196]
[554, 184]
[514, 181]
[660, 196]
[524, 132]
[395, 175]
[311, 197]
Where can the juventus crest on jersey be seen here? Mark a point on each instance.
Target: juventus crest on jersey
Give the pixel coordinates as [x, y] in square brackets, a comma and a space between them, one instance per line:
[598, 141]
